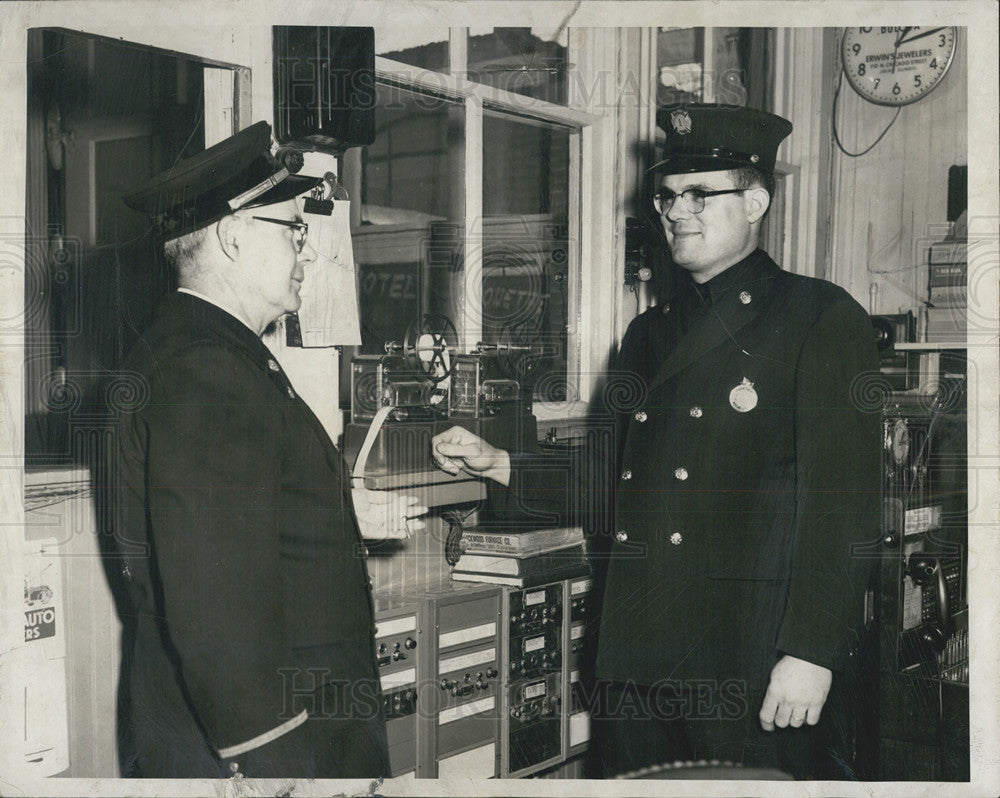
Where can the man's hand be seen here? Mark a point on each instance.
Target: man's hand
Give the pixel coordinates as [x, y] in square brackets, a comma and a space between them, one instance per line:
[795, 694]
[457, 449]
[384, 514]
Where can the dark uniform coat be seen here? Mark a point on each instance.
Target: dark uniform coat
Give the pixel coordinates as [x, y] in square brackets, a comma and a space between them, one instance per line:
[748, 474]
[736, 512]
[252, 590]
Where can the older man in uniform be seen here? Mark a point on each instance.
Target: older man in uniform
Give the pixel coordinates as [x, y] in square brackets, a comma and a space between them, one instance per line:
[746, 476]
[251, 647]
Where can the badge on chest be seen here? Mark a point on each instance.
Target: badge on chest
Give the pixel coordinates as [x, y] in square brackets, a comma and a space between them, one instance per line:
[743, 398]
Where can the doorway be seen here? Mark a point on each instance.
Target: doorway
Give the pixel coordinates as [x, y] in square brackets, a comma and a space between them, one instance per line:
[103, 115]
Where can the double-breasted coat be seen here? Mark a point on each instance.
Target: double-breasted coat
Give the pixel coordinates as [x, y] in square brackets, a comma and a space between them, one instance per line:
[746, 474]
[247, 571]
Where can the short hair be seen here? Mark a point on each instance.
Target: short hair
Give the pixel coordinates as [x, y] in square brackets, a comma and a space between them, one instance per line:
[752, 177]
[182, 252]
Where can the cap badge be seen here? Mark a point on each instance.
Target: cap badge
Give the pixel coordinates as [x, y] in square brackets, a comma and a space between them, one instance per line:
[743, 398]
[681, 121]
[252, 193]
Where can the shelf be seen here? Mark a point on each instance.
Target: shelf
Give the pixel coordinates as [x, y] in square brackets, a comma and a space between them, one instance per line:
[929, 347]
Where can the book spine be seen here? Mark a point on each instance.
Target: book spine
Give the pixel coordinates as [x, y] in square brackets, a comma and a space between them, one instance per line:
[949, 296]
[515, 566]
[519, 554]
[947, 274]
[951, 252]
[495, 542]
[499, 541]
[522, 581]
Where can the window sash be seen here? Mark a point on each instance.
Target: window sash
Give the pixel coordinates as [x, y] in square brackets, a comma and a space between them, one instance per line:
[478, 99]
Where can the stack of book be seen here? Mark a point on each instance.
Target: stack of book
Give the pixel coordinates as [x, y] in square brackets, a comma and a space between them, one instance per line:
[947, 291]
[521, 559]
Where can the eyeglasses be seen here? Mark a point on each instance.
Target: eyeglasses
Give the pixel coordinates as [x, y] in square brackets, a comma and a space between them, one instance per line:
[694, 199]
[300, 228]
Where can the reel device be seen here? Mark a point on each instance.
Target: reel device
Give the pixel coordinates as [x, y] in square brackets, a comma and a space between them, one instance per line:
[423, 385]
[424, 377]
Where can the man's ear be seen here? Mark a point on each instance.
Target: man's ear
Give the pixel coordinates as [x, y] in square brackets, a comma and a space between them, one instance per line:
[756, 202]
[227, 229]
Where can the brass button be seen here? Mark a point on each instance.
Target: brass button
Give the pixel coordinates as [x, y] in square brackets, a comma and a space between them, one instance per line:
[273, 365]
[626, 474]
[291, 393]
[681, 473]
[641, 416]
[666, 307]
[695, 412]
[745, 297]
[676, 538]
[621, 535]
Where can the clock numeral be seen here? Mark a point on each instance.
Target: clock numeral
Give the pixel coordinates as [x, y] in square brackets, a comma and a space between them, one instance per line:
[916, 81]
[877, 81]
[896, 89]
[865, 30]
[933, 63]
[856, 49]
[861, 69]
[942, 40]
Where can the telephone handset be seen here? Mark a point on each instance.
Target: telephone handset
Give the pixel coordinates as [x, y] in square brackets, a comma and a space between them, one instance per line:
[925, 569]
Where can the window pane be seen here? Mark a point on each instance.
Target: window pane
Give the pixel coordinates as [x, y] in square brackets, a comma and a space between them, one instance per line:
[526, 279]
[739, 61]
[728, 78]
[408, 181]
[528, 61]
[679, 60]
[419, 48]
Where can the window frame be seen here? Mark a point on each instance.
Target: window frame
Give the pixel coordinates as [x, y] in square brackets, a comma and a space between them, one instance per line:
[584, 354]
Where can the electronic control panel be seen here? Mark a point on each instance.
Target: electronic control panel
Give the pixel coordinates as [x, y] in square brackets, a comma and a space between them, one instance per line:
[396, 650]
[440, 676]
[581, 634]
[484, 681]
[531, 719]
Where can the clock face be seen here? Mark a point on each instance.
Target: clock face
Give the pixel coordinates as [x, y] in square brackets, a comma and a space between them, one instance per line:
[896, 66]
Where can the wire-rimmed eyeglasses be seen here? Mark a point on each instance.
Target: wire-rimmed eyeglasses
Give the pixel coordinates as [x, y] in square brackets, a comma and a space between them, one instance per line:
[694, 198]
[300, 230]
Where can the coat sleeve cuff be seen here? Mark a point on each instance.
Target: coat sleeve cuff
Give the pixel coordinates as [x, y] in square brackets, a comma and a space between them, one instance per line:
[265, 738]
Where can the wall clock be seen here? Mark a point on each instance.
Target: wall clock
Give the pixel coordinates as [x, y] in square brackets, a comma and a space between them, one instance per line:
[897, 66]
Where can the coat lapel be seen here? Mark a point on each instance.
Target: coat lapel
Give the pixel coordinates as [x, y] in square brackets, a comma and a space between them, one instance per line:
[238, 337]
[728, 315]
